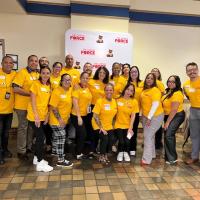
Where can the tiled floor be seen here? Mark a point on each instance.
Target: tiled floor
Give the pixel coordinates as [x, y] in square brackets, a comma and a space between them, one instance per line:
[92, 180]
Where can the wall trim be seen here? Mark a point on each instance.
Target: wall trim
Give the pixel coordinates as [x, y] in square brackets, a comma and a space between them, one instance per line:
[137, 16]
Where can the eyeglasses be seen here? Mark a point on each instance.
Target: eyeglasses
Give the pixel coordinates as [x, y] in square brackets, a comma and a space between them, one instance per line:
[170, 81]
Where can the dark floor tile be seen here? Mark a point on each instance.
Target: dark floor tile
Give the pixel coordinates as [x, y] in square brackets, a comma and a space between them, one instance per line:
[10, 194]
[78, 183]
[132, 195]
[24, 193]
[128, 188]
[14, 186]
[125, 181]
[113, 181]
[53, 184]
[29, 179]
[64, 184]
[101, 182]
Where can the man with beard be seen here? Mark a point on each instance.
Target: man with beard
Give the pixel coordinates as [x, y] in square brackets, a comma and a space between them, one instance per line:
[88, 68]
[192, 91]
[43, 62]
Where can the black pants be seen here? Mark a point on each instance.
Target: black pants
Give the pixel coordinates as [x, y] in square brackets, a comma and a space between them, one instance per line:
[170, 138]
[48, 134]
[106, 141]
[133, 140]
[5, 125]
[124, 142]
[40, 137]
[81, 132]
[158, 138]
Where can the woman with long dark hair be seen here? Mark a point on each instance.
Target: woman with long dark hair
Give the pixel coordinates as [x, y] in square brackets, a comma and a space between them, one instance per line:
[134, 78]
[127, 107]
[174, 116]
[38, 115]
[152, 116]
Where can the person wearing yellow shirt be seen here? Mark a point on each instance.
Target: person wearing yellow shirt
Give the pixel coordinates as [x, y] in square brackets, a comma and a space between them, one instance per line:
[192, 91]
[134, 78]
[21, 86]
[82, 99]
[43, 62]
[56, 75]
[97, 84]
[116, 69]
[88, 68]
[172, 102]
[104, 112]
[127, 107]
[6, 105]
[38, 114]
[60, 108]
[122, 81]
[74, 73]
[152, 116]
[161, 87]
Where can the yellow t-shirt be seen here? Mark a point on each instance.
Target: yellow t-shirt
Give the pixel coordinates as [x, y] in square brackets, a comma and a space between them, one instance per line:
[6, 92]
[96, 88]
[24, 79]
[114, 80]
[42, 93]
[55, 81]
[147, 97]
[62, 100]
[84, 97]
[160, 86]
[125, 108]
[138, 91]
[74, 73]
[192, 90]
[176, 97]
[106, 111]
[121, 83]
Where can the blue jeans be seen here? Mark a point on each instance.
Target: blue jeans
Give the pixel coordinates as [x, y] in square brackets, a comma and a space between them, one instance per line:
[170, 138]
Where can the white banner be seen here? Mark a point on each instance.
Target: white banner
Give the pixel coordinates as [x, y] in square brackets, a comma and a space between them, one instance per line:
[98, 48]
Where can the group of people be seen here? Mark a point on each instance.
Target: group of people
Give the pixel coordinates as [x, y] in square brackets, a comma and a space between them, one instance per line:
[104, 110]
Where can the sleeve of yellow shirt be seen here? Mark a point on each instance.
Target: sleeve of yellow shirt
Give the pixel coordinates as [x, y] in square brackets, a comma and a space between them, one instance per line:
[177, 97]
[97, 107]
[34, 88]
[19, 78]
[135, 106]
[54, 100]
[75, 93]
[160, 86]
[156, 95]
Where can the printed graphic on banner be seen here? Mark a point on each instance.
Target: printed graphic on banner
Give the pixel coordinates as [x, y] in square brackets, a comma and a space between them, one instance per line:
[98, 48]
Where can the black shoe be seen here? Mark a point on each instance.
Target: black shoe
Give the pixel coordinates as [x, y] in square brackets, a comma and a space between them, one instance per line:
[7, 154]
[90, 156]
[22, 156]
[65, 163]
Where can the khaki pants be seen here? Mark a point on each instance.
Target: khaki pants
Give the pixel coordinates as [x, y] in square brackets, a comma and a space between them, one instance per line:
[24, 132]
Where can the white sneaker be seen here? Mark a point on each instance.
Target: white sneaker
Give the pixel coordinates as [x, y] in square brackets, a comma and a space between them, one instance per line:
[43, 167]
[132, 153]
[126, 157]
[35, 160]
[120, 156]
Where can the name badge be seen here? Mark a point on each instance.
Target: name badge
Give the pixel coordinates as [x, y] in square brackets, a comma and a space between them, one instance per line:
[2, 77]
[63, 96]
[43, 89]
[192, 89]
[120, 103]
[73, 76]
[106, 106]
[84, 91]
[97, 86]
[55, 82]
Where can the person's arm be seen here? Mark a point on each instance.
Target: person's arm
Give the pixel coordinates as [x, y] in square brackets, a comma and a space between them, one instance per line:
[98, 122]
[152, 111]
[174, 109]
[35, 112]
[130, 130]
[19, 90]
[57, 116]
[77, 110]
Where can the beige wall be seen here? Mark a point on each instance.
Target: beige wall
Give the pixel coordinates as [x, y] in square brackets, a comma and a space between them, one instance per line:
[31, 34]
[167, 47]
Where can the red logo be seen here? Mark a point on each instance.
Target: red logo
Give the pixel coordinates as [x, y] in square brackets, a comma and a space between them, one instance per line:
[121, 40]
[90, 52]
[77, 37]
[97, 65]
